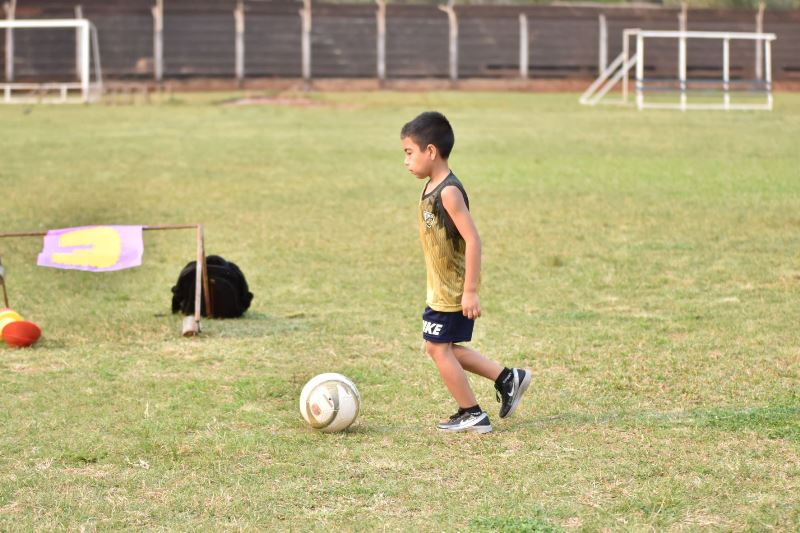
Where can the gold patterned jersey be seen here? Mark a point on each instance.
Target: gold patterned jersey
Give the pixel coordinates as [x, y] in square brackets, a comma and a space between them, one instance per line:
[443, 247]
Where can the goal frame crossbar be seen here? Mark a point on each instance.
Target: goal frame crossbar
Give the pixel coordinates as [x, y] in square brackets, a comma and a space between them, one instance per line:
[88, 58]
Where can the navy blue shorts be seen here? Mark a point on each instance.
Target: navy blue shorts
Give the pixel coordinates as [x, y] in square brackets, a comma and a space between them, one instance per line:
[438, 326]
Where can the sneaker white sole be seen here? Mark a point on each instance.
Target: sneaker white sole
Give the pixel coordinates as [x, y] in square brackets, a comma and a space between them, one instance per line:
[522, 388]
[468, 429]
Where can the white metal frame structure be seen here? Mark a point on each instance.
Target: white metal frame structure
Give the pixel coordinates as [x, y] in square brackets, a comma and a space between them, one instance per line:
[618, 71]
[88, 57]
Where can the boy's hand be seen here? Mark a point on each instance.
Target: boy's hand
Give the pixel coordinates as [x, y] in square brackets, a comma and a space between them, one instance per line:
[470, 306]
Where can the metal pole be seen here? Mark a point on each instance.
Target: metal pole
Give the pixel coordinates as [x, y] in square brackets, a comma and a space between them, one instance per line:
[683, 23]
[98, 72]
[524, 43]
[85, 61]
[758, 43]
[238, 15]
[682, 69]
[78, 42]
[602, 45]
[453, 21]
[380, 16]
[639, 70]
[726, 67]
[158, 40]
[10, 8]
[305, 44]
[625, 54]
[768, 70]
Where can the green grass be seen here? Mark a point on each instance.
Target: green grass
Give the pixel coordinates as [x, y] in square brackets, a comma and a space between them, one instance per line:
[644, 265]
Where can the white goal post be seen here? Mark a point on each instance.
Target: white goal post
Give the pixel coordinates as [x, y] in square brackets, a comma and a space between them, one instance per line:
[81, 90]
[618, 70]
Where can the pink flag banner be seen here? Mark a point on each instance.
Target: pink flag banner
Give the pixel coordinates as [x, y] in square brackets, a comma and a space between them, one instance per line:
[93, 248]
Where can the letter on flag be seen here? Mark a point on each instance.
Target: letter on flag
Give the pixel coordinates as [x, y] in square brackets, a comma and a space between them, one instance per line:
[93, 248]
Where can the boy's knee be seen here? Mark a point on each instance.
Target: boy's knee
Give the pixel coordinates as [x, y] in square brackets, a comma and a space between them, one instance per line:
[436, 349]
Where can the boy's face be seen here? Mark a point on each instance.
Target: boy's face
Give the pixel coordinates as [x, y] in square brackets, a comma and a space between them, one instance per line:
[418, 161]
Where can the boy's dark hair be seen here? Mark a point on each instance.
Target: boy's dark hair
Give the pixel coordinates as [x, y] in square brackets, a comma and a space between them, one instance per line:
[433, 128]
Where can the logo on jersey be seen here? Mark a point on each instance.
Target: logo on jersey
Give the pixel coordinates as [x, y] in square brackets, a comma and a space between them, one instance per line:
[431, 328]
[429, 218]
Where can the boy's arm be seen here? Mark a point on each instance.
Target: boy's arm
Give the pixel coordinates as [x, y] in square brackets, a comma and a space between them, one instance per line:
[453, 202]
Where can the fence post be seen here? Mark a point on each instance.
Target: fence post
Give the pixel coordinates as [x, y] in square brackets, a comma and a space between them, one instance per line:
[682, 70]
[158, 39]
[84, 61]
[768, 72]
[759, 43]
[305, 44]
[683, 17]
[602, 45]
[523, 46]
[639, 70]
[625, 54]
[381, 20]
[238, 15]
[453, 20]
[10, 8]
[78, 42]
[726, 72]
[683, 23]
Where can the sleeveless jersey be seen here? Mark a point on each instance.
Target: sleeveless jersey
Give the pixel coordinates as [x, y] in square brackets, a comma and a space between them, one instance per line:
[443, 247]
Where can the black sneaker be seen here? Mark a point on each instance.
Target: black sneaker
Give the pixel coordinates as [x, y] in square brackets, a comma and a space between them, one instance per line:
[509, 393]
[467, 422]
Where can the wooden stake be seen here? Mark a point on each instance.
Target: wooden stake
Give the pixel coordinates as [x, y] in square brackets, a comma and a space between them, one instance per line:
[3, 283]
[208, 300]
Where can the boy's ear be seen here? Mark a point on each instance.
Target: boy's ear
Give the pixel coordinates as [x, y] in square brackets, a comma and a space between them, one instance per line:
[431, 151]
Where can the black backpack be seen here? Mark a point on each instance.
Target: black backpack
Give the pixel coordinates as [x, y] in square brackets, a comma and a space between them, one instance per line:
[230, 296]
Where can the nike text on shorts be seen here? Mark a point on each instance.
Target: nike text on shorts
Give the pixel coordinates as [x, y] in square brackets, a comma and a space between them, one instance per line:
[438, 326]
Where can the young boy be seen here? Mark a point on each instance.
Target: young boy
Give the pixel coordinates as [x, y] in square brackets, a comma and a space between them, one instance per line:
[452, 251]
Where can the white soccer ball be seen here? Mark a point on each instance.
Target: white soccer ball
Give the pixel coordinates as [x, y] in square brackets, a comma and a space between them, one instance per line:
[330, 402]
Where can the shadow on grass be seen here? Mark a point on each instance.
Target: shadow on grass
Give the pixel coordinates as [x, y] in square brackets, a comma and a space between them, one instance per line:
[254, 325]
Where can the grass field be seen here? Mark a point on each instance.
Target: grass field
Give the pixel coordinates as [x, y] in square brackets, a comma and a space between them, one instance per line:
[644, 265]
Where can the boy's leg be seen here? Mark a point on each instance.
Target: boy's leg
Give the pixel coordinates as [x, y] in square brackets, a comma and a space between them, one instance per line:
[470, 417]
[476, 363]
[452, 373]
[510, 383]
